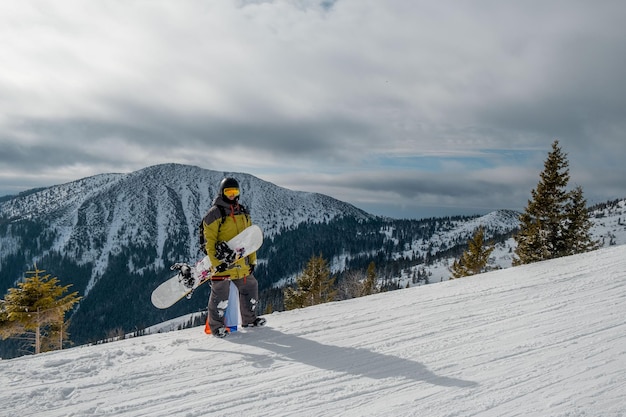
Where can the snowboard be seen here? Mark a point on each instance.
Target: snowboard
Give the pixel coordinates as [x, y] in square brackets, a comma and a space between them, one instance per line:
[232, 315]
[175, 288]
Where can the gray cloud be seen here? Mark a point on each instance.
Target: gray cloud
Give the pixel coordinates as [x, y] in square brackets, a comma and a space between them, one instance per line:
[329, 96]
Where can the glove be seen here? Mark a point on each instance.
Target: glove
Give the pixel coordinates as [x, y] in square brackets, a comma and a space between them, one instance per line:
[224, 253]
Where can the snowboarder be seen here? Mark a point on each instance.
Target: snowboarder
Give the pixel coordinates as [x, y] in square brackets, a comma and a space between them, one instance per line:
[225, 219]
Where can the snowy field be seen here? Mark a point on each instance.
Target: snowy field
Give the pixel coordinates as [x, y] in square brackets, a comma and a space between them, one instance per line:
[547, 339]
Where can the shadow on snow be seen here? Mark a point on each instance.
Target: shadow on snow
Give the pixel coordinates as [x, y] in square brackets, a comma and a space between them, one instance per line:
[354, 361]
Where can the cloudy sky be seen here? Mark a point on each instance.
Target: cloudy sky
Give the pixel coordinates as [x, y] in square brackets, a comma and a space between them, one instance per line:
[407, 108]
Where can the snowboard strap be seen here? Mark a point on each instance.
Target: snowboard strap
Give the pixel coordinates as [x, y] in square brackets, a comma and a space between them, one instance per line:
[219, 226]
[223, 213]
[221, 278]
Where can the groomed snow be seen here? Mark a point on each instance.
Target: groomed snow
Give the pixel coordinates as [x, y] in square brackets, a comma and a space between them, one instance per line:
[547, 339]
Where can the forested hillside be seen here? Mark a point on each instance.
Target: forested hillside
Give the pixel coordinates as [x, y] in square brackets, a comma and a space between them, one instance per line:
[113, 237]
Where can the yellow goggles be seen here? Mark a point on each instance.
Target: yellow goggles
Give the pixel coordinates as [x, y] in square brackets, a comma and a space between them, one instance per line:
[231, 192]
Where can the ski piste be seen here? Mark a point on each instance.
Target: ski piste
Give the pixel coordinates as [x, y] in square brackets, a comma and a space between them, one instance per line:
[181, 286]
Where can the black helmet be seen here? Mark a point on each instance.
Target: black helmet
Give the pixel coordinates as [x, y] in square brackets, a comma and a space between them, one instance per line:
[229, 184]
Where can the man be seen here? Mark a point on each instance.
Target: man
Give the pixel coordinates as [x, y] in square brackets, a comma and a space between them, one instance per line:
[226, 219]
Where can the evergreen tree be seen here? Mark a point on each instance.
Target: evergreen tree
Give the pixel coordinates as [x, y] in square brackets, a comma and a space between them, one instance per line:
[542, 229]
[556, 222]
[314, 286]
[579, 224]
[474, 260]
[369, 285]
[54, 337]
[37, 307]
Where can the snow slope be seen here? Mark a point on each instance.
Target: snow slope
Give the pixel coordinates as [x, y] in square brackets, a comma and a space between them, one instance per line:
[547, 339]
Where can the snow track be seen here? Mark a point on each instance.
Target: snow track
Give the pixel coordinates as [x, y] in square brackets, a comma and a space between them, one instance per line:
[547, 339]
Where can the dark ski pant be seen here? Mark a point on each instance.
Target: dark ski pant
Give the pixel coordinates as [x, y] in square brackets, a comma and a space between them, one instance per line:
[218, 300]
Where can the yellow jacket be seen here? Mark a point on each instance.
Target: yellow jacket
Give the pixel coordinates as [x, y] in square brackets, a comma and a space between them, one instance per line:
[218, 228]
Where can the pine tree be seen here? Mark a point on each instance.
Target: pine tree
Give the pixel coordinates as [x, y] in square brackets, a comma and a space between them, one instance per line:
[578, 230]
[37, 307]
[556, 222]
[314, 286]
[542, 229]
[54, 337]
[369, 285]
[474, 260]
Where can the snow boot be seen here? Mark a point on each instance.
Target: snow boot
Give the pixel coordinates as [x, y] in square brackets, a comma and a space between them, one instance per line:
[221, 332]
[258, 322]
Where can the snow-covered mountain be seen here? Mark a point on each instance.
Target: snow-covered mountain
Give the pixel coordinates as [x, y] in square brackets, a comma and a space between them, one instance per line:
[609, 229]
[93, 218]
[113, 236]
[546, 339]
[609, 222]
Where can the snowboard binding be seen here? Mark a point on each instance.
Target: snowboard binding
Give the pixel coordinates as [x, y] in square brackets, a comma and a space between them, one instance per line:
[224, 253]
[184, 273]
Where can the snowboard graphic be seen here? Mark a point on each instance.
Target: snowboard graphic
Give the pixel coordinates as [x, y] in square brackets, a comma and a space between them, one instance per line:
[177, 287]
[232, 316]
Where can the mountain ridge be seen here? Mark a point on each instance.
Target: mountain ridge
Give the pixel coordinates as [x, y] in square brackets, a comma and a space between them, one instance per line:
[171, 196]
[117, 234]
